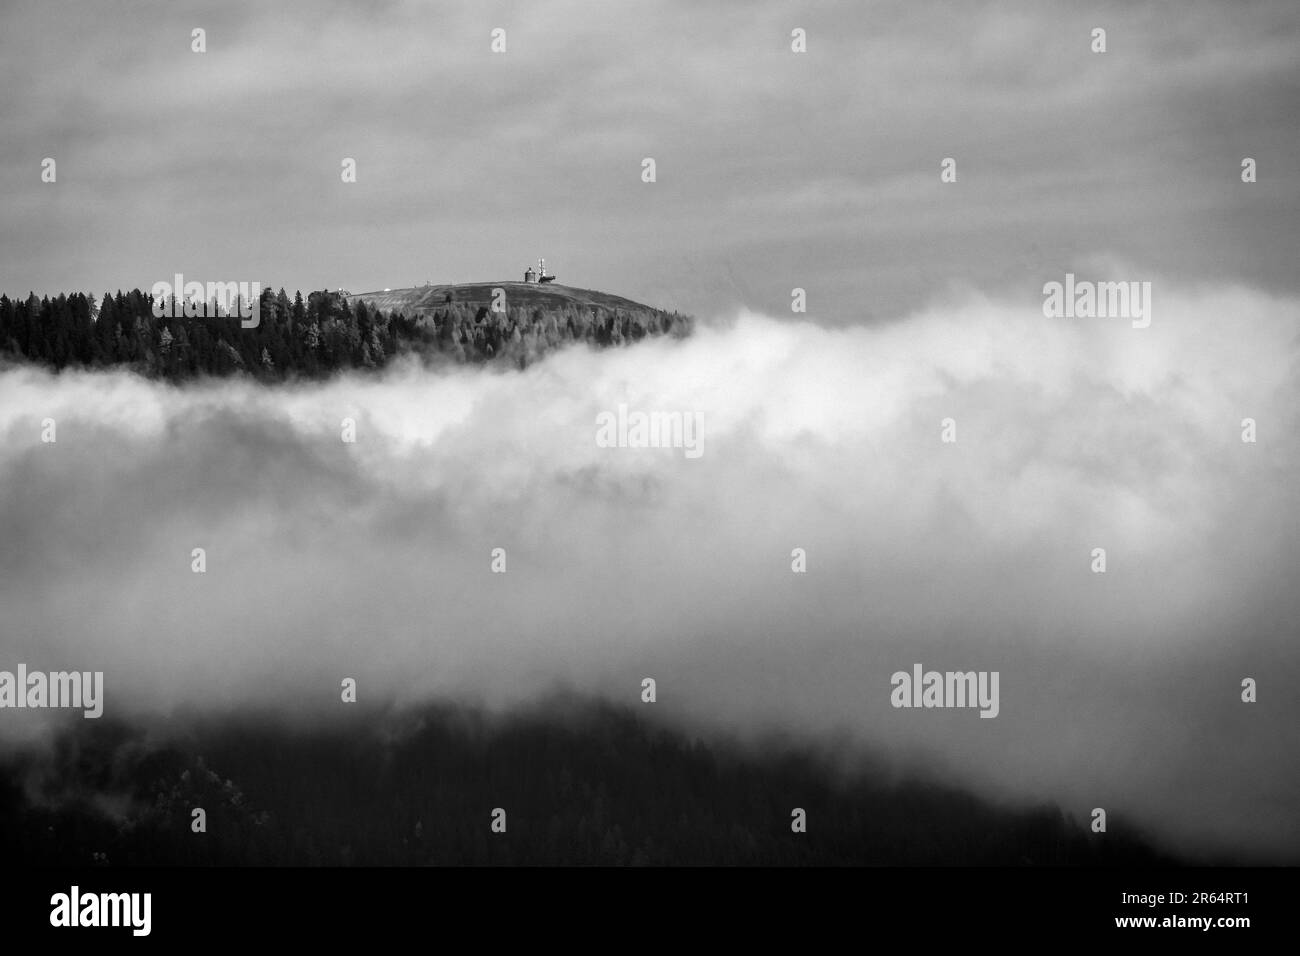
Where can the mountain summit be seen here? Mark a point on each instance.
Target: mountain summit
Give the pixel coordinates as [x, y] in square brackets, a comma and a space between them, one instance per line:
[549, 297]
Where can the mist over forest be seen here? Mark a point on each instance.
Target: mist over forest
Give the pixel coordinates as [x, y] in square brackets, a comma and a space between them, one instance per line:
[373, 560]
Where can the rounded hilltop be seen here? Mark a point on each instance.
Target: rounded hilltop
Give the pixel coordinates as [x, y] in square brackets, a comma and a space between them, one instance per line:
[549, 297]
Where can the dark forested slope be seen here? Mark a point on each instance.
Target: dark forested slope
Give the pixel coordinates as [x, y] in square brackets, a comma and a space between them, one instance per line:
[580, 784]
[324, 333]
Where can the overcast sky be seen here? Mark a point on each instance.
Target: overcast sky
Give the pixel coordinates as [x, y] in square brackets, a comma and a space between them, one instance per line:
[775, 170]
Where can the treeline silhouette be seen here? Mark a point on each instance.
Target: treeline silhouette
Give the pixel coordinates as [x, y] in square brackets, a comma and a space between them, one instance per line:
[312, 337]
[580, 785]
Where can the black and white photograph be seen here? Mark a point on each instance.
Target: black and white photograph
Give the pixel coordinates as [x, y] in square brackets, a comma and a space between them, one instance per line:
[508, 444]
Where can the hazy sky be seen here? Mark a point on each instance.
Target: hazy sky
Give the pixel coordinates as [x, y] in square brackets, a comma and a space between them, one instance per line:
[775, 170]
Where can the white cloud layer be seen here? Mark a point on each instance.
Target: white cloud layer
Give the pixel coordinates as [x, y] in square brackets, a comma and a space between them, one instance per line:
[372, 560]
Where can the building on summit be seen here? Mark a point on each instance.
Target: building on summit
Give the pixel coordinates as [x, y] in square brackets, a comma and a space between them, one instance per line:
[540, 275]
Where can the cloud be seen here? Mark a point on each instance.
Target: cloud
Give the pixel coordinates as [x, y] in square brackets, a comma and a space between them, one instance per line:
[372, 560]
